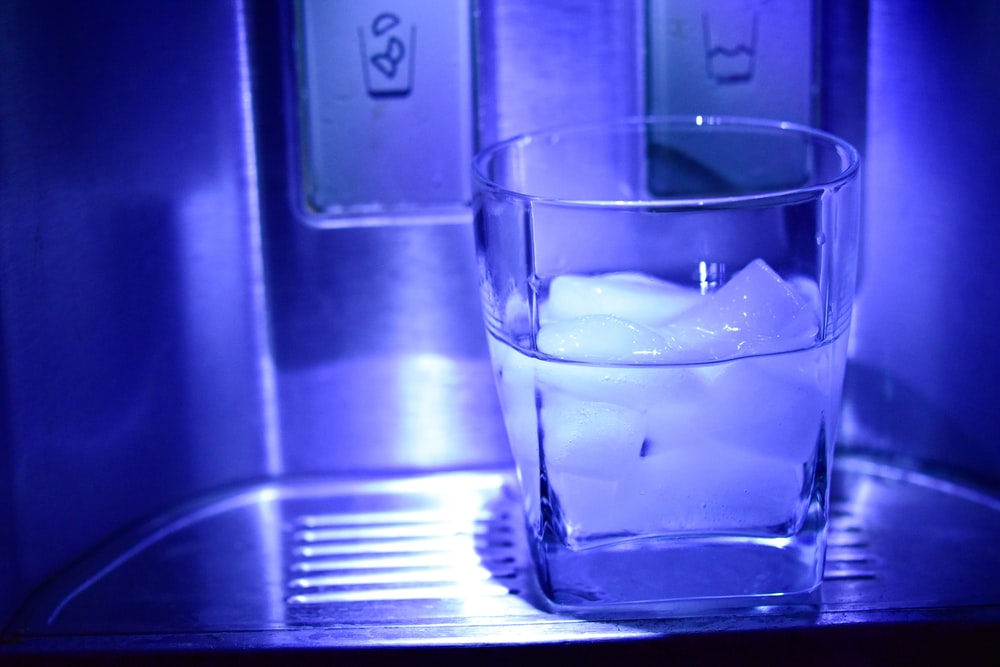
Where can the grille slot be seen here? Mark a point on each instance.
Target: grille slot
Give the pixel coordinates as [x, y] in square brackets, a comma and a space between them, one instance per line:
[459, 549]
[848, 556]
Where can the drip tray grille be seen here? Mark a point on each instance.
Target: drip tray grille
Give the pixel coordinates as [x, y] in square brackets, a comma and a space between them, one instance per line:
[848, 556]
[450, 551]
[442, 559]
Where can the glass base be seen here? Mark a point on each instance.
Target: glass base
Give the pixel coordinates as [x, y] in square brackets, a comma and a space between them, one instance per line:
[657, 572]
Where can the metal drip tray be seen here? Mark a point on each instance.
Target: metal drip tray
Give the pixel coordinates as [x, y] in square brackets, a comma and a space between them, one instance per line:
[441, 560]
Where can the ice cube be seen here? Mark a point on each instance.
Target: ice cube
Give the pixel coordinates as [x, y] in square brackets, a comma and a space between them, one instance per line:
[602, 338]
[755, 312]
[679, 419]
[709, 489]
[628, 295]
[515, 380]
[585, 505]
[808, 292]
[517, 313]
[770, 313]
[589, 438]
[639, 387]
[771, 405]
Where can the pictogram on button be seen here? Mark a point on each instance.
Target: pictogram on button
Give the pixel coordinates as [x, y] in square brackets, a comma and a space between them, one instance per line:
[387, 55]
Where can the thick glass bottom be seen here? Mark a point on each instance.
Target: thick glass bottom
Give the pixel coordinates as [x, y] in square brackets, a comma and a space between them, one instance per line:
[657, 571]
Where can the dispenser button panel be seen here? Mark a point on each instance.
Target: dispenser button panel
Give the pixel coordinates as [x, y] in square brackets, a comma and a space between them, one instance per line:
[385, 96]
[732, 57]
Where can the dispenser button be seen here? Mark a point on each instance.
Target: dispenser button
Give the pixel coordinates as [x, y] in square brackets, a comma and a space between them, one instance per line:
[732, 57]
[386, 108]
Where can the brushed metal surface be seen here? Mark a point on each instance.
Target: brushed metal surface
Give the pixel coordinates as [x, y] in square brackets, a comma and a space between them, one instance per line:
[540, 65]
[130, 301]
[928, 301]
[440, 559]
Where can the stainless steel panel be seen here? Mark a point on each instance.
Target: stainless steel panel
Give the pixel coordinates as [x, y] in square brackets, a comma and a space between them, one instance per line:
[924, 353]
[544, 64]
[441, 559]
[133, 356]
[380, 350]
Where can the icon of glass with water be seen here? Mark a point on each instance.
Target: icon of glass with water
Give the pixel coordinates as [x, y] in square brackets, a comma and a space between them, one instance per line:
[730, 45]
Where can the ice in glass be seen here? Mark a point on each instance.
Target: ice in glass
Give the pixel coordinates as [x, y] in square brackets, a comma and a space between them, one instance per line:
[672, 418]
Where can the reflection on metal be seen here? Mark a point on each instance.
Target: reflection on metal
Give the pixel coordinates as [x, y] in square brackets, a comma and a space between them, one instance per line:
[269, 412]
[427, 386]
[442, 558]
[848, 555]
[131, 304]
[461, 546]
[463, 590]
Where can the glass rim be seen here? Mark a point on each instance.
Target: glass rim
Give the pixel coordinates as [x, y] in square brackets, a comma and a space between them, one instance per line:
[850, 156]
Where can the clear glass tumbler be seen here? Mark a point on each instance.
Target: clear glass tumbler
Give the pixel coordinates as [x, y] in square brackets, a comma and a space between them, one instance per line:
[667, 302]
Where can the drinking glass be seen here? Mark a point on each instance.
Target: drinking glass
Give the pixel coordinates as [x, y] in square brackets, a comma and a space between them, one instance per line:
[667, 303]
